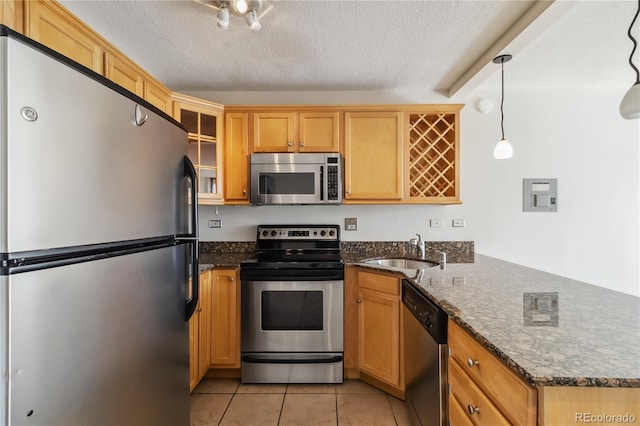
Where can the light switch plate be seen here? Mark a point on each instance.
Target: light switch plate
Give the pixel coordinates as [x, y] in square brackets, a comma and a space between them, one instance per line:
[215, 223]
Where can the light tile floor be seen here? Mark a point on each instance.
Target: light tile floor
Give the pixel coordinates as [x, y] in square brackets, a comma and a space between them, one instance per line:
[226, 402]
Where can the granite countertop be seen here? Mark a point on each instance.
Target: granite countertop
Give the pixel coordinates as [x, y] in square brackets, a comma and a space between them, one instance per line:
[591, 339]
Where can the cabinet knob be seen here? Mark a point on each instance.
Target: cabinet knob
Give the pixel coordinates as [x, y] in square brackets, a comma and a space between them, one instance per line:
[348, 192]
[358, 300]
[472, 410]
[244, 192]
[290, 143]
[471, 362]
[230, 278]
[301, 143]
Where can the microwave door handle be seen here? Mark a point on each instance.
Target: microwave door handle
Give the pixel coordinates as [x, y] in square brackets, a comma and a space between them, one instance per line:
[322, 183]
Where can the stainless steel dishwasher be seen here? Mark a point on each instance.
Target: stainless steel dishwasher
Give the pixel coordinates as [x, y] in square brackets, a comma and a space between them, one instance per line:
[425, 352]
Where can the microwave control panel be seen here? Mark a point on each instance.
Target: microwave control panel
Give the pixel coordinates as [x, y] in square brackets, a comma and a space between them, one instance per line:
[333, 178]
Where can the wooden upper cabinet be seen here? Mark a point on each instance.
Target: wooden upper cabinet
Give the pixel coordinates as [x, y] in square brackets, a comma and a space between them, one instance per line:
[288, 131]
[373, 155]
[205, 126]
[273, 131]
[236, 158]
[50, 24]
[157, 95]
[124, 74]
[319, 132]
[12, 14]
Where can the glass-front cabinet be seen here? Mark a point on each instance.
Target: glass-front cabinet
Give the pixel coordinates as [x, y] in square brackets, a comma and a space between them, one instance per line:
[204, 122]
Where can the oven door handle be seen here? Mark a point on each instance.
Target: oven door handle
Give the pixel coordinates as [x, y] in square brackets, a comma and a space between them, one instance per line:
[256, 359]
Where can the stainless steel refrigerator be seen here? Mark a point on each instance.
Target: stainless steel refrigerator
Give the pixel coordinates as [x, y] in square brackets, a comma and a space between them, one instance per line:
[98, 238]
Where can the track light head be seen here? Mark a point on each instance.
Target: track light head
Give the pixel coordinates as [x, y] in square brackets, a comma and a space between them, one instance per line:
[223, 17]
[252, 21]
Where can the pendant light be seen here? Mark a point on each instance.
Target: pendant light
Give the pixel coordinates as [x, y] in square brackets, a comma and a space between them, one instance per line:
[503, 149]
[630, 105]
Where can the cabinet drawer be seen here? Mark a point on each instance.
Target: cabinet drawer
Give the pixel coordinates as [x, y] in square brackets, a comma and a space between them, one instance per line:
[469, 396]
[512, 395]
[457, 414]
[379, 282]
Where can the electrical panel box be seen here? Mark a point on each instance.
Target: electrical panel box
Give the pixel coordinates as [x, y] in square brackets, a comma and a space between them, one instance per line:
[540, 195]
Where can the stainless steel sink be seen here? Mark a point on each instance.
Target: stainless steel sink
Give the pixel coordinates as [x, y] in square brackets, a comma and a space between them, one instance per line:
[402, 263]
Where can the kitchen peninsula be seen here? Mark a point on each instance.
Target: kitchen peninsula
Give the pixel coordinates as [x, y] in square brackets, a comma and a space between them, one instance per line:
[588, 349]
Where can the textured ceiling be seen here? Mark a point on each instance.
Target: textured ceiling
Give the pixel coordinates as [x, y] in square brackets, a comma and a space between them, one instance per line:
[328, 45]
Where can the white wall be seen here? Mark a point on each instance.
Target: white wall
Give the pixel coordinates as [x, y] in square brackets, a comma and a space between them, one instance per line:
[577, 137]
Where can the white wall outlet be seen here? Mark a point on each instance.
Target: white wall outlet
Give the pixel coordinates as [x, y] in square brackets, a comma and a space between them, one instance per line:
[350, 223]
[458, 223]
[215, 223]
[435, 223]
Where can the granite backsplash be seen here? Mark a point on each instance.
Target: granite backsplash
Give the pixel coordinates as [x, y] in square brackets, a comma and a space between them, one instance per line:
[457, 251]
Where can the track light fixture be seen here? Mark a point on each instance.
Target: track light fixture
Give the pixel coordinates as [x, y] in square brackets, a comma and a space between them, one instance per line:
[503, 149]
[249, 9]
[630, 105]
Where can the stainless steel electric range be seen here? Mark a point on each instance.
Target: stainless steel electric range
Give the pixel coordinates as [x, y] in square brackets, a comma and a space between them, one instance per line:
[292, 299]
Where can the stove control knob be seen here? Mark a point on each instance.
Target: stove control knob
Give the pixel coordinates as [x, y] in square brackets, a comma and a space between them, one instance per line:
[323, 233]
[265, 233]
[315, 232]
[273, 233]
[331, 233]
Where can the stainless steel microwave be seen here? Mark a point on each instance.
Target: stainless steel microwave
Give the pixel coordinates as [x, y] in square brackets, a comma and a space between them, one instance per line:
[296, 178]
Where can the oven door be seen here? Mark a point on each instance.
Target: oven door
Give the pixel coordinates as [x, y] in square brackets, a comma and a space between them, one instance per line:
[292, 316]
[286, 184]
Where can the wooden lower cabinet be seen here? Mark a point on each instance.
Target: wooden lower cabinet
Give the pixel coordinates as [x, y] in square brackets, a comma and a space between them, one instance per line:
[200, 332]
[225, 319]
[490, 392]
[214, 328]
[564, 405]
[379, 328]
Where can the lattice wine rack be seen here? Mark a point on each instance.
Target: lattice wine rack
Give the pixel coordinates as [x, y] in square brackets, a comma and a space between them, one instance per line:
[432, 155]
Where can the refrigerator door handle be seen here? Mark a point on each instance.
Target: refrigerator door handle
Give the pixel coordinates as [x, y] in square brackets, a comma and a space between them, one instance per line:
[192, 302]
[190, 172]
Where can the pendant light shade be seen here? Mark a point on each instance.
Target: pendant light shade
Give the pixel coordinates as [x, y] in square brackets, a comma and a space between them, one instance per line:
[503, 149]
[630, 105]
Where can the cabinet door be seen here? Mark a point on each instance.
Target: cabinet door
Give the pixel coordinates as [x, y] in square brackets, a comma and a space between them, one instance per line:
[273, 131]
[379, 335]
[124, 74]
[236, 158]
[204, 123]
[319, 132]
[11, 14]
[204, 324]
[225, 337]
[373, 155]
[157, 95]
[48, 23]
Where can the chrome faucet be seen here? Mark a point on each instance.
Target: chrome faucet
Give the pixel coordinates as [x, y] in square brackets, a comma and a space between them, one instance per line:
[420, 246]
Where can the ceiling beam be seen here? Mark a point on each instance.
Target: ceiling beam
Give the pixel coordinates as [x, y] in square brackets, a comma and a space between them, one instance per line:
[537, 19]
